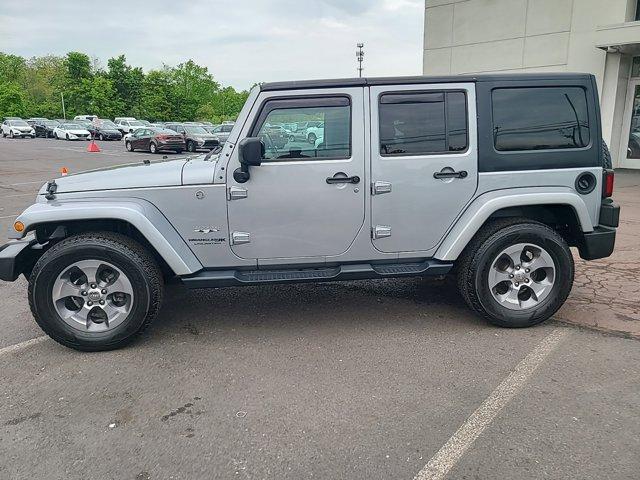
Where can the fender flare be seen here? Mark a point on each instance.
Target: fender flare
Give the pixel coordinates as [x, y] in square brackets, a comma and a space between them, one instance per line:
[142, 214]
[483, 206]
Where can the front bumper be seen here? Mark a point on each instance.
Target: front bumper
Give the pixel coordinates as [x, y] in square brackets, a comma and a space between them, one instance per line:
[15, 257]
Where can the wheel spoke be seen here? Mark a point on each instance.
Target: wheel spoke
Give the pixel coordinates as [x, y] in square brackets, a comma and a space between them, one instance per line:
[539, 289]
[498, 276]
[63, 289]
[122, 285]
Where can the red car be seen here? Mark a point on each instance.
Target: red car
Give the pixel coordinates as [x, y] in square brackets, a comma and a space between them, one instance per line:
[155, 140]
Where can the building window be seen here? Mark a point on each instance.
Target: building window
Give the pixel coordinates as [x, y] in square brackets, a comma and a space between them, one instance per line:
[635, 67]
[540, 118]
[423, 123]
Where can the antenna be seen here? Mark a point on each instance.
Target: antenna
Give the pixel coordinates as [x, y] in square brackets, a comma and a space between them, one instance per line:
[360, 57]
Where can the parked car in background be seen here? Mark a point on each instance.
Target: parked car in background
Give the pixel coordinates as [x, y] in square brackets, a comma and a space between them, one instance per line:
[195, 136]
[17, 128]
[44, 128]
[90, 118]
[221, 131]
[276, 135]
[104, 130]
[128, 126]
[146, 123]
[11, 118]
[155, 140]
[71, 131]
[314, 131]
[119, 119]
[33, 120]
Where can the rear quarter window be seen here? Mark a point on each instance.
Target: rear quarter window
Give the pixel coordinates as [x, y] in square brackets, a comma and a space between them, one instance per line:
[540, 118]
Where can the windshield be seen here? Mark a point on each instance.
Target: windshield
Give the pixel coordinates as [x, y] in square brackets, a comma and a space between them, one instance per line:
[72, 126]
[51, 123]
[108, 124]
[135, 123]
[19, 123]
[195, 129]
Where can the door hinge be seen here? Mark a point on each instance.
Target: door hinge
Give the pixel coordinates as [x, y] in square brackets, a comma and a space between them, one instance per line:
[380, 231]
[380, 187]
[238, 238]
[236, 193]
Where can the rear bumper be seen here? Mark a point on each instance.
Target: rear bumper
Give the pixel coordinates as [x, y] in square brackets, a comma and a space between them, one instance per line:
[15, 258]
[598, 244]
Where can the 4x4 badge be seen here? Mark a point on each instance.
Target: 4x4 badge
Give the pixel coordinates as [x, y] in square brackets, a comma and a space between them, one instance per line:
[206, 229]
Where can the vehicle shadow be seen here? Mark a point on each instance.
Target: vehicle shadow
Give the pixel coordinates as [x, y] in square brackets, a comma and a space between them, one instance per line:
[360, 304]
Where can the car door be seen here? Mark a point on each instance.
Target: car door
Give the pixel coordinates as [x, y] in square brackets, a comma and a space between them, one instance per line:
[423, 162]
[303, 200]
[137, 138]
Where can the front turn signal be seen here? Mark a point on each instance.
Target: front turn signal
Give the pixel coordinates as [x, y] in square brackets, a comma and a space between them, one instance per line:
[18, 226]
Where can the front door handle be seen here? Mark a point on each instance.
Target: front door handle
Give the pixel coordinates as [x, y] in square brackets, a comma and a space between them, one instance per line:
[441, 175]
[335, 179]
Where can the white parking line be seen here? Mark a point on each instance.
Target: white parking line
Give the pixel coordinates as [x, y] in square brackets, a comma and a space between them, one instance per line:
[9, 216]
[22, 345]
[451, 452]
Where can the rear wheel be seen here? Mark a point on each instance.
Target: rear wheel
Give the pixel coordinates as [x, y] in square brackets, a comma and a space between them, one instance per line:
[95, 291]
[516, 272]
[153, 148]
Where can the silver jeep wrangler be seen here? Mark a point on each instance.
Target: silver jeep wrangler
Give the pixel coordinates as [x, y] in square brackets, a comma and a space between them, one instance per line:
[492, 178]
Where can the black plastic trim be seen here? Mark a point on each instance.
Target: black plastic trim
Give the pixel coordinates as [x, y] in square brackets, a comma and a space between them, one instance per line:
[233, 278]
[11, 266]
[591, 186]
[415, 80]
[597, 244]
[609, 213]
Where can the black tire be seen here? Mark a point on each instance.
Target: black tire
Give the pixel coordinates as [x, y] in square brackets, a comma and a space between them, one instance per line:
[312, 138]
[191, 146]
[606, 156]
[137, 263]
[101, 137]
[179, 151]
[66, 136]
[153, 148]
[474, 263]
[128, 146]
[11, 135]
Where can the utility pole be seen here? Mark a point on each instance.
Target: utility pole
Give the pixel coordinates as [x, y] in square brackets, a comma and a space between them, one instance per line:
[64, 113]
[360, 57]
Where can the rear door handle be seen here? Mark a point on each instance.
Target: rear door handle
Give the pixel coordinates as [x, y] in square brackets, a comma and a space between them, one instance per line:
[334, 179]
[460, 174]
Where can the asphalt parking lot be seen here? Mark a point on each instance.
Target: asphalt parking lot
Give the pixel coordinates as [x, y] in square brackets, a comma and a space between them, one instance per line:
[390, 379]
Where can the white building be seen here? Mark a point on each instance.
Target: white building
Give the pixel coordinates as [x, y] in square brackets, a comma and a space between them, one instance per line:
[596, 36]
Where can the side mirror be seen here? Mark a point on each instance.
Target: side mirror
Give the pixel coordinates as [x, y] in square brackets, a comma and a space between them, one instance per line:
[250, 153]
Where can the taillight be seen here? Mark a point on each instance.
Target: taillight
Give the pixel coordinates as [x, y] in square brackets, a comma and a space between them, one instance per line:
[607, 183]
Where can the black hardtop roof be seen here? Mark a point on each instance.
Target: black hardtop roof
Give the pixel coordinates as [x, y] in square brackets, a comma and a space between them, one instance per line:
[416, 80]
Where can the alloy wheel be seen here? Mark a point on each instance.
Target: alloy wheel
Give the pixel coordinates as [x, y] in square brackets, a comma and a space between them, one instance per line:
[92, 296]
[522, 276]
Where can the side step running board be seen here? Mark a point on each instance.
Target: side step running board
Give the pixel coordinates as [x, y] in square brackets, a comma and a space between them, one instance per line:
[228, 278]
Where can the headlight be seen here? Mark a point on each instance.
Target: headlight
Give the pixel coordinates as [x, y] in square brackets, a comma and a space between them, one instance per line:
[200, 142]
[71, 135]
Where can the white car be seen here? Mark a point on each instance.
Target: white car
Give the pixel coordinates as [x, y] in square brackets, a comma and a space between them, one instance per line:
[17, 128]
[71, 131]
[130, 134]
[128, 126]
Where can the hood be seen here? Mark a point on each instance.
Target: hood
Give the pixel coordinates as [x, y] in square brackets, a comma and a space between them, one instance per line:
[76, 131]
[135, 175]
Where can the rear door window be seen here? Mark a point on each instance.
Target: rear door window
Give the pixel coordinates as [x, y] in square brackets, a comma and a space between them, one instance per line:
[423, 123]
[540, 118]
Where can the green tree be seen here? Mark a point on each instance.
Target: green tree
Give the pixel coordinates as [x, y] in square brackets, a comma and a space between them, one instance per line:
[78, 66]
[128, 83]
[156, 101]
[193, 86]
[12, 100]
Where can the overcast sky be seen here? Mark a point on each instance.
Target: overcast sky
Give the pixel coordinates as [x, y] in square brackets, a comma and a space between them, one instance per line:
[241, 41]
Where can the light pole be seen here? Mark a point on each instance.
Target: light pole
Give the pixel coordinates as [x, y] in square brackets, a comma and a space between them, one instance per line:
[64, 113]
[360, 57]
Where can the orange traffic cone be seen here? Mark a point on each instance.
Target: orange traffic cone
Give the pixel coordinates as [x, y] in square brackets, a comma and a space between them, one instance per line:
[64, 171]
[93, 147]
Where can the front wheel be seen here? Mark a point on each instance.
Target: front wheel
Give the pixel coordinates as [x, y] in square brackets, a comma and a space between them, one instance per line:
[516, 272]
[95, 291]
[128, 146]
[191, 146]
[66, 136]
[153, 148]
[312, 138]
